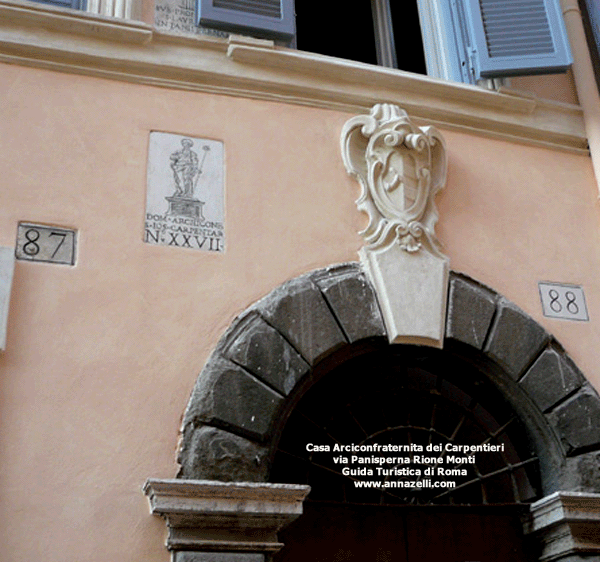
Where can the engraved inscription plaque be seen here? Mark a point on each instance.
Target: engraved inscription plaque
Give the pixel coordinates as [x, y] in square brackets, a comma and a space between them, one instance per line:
[185, 202]
[51, 244]
[179, 17]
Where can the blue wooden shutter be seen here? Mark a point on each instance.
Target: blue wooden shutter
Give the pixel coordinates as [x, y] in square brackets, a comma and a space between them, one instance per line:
[271, 19]
[75, 4]
[513, 37]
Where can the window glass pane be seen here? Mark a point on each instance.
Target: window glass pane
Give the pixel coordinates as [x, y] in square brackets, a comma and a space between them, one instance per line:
[407, 36]
[336, 28]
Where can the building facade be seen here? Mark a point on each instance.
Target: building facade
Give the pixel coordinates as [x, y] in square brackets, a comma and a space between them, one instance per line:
[233, 271]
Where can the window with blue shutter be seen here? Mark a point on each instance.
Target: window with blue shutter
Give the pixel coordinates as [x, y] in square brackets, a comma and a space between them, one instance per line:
[463, 40]
[514, 37]
[271, 19]
[373, 32]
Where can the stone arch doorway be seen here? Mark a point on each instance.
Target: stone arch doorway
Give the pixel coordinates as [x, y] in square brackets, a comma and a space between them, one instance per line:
[425, 403]
[232, 420]
[302, 331]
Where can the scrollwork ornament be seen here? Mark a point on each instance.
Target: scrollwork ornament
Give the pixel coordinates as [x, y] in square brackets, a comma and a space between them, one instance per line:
[400, 168]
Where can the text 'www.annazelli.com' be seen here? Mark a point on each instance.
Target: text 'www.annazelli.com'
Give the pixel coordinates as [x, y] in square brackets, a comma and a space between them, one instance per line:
[404, 484]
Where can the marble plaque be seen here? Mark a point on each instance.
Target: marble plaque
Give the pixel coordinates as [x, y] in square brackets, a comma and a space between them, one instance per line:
[185, 199]
[561, 300]
[179, 17]
[51, 244]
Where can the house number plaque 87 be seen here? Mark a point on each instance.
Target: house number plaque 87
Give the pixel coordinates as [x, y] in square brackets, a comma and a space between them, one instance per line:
[36, 242]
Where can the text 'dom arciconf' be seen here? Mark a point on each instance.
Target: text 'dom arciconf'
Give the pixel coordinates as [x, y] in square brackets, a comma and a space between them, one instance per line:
[185, 203]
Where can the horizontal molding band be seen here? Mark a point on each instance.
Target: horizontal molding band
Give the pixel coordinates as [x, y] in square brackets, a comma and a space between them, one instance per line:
[176, 543]
[46, 37]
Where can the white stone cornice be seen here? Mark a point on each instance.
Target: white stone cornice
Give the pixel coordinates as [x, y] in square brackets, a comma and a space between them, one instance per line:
[565, 506]
[224, 516]
[177, 496]
[77, 42]
[566, 525]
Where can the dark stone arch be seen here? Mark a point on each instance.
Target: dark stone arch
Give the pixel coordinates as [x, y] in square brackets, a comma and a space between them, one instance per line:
[244, 390]
[544, 386]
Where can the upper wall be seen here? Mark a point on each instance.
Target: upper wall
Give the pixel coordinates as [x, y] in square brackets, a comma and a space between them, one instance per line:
[178, 17]
[557, 87]
[45, 37]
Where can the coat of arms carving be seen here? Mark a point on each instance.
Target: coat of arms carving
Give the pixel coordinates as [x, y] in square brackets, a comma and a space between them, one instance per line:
[400, 167]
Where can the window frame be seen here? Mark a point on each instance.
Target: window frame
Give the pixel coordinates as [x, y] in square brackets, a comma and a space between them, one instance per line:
[452, 30]
[444, 56]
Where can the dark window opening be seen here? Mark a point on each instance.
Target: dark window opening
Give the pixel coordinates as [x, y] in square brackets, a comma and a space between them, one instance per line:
[407, 36]
[346, 30]
[403, 396]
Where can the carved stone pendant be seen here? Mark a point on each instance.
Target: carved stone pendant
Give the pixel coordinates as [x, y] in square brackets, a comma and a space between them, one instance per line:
[401, 168]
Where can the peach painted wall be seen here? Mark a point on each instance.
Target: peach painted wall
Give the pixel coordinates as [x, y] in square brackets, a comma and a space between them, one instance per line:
[514, 215]
[101, 357]
[556, 87]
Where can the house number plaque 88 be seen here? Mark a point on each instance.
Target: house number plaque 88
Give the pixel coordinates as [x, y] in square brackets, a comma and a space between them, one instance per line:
[564, 301]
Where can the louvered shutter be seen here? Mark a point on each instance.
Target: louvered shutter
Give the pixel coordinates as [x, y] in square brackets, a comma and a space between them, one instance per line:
[513, 37]
[271, 19]
[75, 4]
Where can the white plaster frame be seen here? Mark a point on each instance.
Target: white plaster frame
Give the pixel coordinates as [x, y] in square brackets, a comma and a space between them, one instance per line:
[113, 8]
[7, 269]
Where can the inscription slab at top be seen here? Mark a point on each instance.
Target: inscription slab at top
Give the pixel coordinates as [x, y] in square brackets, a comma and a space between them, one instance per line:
[185, 200]
[179, 17]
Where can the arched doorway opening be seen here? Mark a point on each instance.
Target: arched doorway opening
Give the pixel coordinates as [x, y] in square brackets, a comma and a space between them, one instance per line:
[379, 433]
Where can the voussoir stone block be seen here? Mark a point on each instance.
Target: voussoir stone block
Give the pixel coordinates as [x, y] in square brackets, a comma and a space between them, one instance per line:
[264, 352]
[582, 473]
[210, 453]
[352, 299]
[577, 420]
[226, 395]
[471, 309]
[298, 310]
[515, 339]
[550, 379]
